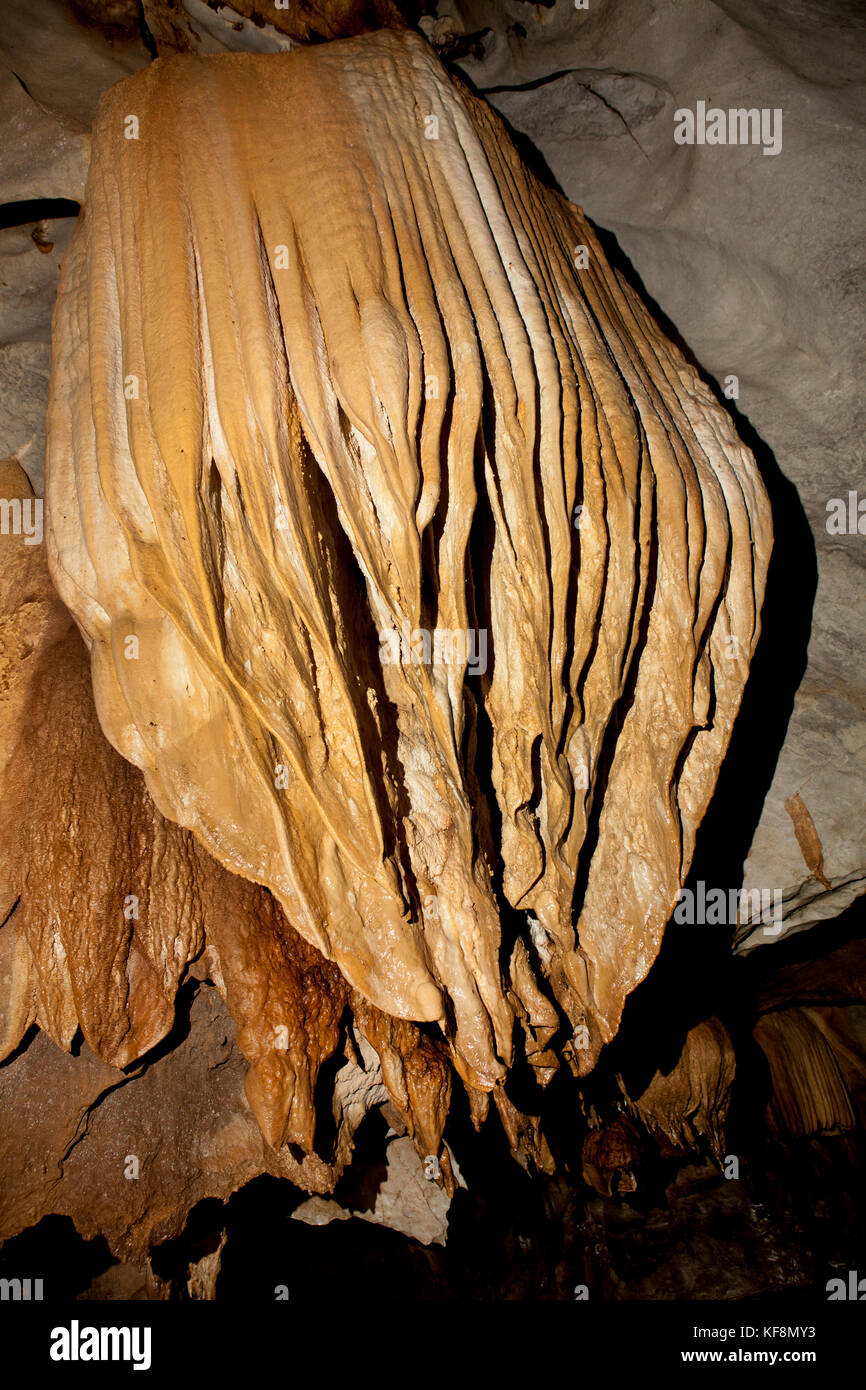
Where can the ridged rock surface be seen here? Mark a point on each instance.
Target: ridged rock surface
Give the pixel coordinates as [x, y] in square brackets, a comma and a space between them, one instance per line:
[327, 365]
[103, 905]
[690, 1103]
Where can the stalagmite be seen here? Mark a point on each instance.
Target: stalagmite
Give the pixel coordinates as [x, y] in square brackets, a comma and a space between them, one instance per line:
[420, 572]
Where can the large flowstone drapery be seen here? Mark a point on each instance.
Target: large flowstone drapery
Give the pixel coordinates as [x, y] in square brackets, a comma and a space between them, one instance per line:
[420, 572]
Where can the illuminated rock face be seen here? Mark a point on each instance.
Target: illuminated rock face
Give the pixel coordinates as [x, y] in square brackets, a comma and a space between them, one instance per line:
[420, 572]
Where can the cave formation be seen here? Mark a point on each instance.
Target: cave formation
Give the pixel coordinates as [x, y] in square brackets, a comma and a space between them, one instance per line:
[321, 380]
[414, 574]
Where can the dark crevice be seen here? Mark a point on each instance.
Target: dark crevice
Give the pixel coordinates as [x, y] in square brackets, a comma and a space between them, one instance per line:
[326, 1128]
[10, 913]
[146, 33]
[27, 210]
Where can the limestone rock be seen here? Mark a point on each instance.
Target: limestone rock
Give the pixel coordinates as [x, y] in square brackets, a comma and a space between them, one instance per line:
[64, 56]
[320, 1211]
[408, 1200]
[29, 269]
[42, 157]
[690, 1102]
[276, 462]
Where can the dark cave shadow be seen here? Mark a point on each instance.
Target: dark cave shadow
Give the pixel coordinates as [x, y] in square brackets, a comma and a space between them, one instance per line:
[798, 948]
[359, 1184]
[325, 1130]
[365, 1262]
[200, 1236]
[659, 1012]
[24, 211]
[53, 1250]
